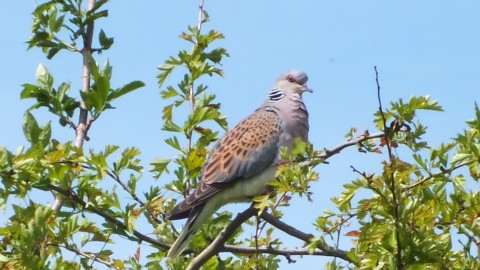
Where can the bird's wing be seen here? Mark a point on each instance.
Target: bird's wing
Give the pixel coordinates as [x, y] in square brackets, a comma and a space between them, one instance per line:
[246, 150]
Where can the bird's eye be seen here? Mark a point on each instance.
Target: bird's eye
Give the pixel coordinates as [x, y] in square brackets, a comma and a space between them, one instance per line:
[290, 78]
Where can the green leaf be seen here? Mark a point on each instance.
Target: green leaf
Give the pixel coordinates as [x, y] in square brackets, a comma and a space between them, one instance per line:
[159, 166]
[30, 128]
[29, 91]
[52, 18]
[52, 52]
[169, 93]
[45, 134]
[167, 112]
[104, 41]
[125, 90]
[58, 24]
[44, 79]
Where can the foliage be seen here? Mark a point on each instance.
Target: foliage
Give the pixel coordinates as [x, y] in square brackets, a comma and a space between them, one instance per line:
[408, 213]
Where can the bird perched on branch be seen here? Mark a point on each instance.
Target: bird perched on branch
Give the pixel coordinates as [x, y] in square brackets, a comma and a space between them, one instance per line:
[245, 159]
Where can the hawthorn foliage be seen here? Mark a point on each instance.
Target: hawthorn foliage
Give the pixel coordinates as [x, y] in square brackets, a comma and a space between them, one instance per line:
[417, 210]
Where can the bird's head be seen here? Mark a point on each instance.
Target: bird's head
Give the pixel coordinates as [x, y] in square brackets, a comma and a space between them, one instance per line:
[293, 81]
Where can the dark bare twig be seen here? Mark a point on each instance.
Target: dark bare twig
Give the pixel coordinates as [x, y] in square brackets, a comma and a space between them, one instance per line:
[431, 176]
[286, 252]
[94, 259]
[340, 224]
[277, 203]
[74, 198]
[83, 254]
[117, 179]
[336, 150]
[399, 261]
[218, 243]
[328, 250]
[367, 177]
[472, 238]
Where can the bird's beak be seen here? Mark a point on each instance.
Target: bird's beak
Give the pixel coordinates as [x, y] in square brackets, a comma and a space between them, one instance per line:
[307, 89]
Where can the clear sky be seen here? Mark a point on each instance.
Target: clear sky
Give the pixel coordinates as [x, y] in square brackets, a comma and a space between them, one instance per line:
[420, 48]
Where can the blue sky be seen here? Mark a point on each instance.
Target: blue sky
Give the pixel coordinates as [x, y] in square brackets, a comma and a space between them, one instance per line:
[420, 48]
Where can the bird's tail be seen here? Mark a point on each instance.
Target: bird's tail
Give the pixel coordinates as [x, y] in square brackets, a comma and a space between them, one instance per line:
[197, 217]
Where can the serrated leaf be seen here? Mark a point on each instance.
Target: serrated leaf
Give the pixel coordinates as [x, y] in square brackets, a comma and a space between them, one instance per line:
[159, 166]
[169, 93]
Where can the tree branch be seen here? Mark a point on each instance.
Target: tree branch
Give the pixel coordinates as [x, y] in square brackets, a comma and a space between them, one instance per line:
[117, 179]
[306, 237]
[472, 238]
[336, 150]
[399, 262]
[107, 217]
[83, 254]
[81, 129]
[431, 176]
[217, 244]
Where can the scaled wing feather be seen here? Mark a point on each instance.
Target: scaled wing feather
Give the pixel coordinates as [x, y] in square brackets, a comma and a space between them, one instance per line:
[243, 152]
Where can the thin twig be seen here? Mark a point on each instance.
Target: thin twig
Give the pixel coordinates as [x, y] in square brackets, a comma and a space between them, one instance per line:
[340, 224]
[331, 152]
[91, 208]
[431, 176]
[191, 91]
[306, 237]
[83, 254]
[399, 261]
[472, 238]
[103, 247]
[284, 252]
[117, 179]
[277, 203]
[218, 244]
[81, 129]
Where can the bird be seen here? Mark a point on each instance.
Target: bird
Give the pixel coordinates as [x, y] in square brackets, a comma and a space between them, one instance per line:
[243, 162]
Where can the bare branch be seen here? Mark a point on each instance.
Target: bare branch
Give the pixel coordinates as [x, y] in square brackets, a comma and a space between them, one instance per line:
[107, 217]
[431, 176]
[472, 238]
[306, 237]
[132, 194]
[286, 252]
[336, 150]
[94, 258]
[82, 128]
[217, 244]
[399, 261]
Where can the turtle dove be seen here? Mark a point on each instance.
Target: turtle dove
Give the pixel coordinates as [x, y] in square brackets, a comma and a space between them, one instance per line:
[244, 160]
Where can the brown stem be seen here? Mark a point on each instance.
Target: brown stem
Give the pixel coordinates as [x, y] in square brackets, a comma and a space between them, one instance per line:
[306, 237]
[331, 152]
[91, 208]
[134, 196]
[218, 243]
[396, 206]
[431, 176]
[83, 254]
[82, 128]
